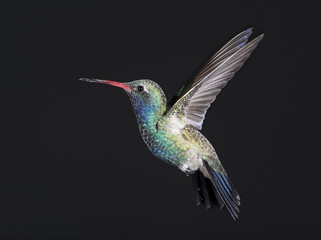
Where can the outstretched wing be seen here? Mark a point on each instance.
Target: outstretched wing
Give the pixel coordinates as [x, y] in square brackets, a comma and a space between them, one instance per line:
[196, 97]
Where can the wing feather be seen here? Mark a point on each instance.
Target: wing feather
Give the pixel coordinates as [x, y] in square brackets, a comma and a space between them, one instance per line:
[227, 50]
[196, 97]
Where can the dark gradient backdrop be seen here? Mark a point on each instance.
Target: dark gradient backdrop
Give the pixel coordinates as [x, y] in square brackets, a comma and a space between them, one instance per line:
[72, 162]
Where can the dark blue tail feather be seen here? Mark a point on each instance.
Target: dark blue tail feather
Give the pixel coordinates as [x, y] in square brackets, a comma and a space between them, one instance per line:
[205, 193]
[226, 191]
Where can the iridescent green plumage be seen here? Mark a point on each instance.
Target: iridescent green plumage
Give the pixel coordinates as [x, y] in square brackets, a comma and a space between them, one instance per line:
[171, 132]
[168, 136]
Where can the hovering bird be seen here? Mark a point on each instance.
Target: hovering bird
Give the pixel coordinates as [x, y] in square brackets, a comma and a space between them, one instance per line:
[171, 131]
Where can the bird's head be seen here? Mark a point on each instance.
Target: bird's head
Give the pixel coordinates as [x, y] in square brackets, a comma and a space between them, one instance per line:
[146, 96]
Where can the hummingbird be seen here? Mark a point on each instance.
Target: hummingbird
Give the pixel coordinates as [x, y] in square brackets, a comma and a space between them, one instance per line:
[171, 130]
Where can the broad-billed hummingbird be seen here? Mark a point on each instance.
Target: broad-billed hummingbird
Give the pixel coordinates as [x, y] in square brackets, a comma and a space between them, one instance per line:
[171, 130]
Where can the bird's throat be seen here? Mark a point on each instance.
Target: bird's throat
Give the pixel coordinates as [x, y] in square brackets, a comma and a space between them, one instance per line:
[148, 114]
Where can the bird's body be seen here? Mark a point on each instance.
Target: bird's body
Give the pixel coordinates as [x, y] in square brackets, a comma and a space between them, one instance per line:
[168, 137]
[171, 131]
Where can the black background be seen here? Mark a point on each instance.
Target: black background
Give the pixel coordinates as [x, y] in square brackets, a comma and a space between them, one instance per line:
[72, 162]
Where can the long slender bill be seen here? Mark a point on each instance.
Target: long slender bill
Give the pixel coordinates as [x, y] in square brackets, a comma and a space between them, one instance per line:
[116, 84]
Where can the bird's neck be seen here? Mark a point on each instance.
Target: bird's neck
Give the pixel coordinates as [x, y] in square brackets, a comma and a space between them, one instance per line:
[148, 114]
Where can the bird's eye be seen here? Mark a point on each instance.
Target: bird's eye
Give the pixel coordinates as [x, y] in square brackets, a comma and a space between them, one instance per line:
[140, 88]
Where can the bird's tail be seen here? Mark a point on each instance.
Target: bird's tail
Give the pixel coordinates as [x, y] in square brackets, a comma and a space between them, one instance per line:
[218, 190]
